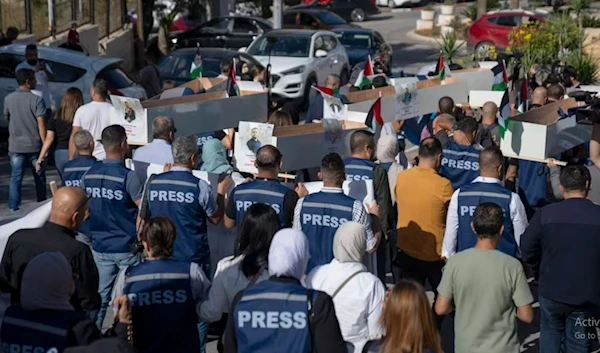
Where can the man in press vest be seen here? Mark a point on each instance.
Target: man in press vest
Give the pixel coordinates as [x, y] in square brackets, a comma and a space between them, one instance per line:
[319, 215]
[188, 202]
[360, 166]
[460, 158]
[163, 293]
[486, 188]
[115, 194]
[265, 188]
[76, 168]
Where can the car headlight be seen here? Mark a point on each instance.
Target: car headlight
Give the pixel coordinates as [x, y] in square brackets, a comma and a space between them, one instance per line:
[294, 71]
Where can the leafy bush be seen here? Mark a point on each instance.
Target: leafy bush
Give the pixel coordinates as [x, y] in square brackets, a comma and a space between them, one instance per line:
[449, 48]
[590, 22]
[587, 67]
[470, 11]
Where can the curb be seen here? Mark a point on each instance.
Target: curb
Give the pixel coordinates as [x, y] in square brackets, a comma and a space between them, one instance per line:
[430, 40]
[401, 10]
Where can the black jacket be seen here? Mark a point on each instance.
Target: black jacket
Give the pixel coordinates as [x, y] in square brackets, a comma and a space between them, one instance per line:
[25, 244]
[326, 333]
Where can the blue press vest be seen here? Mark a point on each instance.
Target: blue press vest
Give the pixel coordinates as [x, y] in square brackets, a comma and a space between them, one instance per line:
[203, 137]
[36, 331]
[273, 317]
[175, 195]
[112, 211]
[460, 164]
[532, 183]
[321, 215]
[471, 196]
[74, 171]
[359, 169]
[163, 307]
[264, 191]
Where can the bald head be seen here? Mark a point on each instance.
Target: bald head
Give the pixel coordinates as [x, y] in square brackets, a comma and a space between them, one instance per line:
[268, 158]
[491, 162]
[69, 207]
[446, 105]
[539, 96]
[163, 128]
[333, 81]
[489, 111]
[556, 92]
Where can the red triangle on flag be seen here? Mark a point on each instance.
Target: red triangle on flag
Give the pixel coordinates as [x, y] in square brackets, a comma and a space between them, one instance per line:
[324, 90]
[377, 111]
[368, 70]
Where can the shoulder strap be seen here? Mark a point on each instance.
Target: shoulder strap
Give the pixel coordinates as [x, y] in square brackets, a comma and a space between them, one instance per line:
[144, 214]
[344, 283]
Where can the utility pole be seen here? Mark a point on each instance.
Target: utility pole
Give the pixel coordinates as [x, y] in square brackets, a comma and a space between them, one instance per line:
[277, 13]
[140, 21]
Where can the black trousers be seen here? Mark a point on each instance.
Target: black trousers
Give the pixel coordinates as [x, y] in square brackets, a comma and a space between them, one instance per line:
[422, 271]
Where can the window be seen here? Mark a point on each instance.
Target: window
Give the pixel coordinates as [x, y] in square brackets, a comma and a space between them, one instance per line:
[527, 20]
[115, 78]
[330, 18]
[8, 63]
[308, 20]
[214, 25]
[330, 43]
[244, 26]
[290, 46]
[66, 73]
[289, 19]
[320, 44]
[507, 21]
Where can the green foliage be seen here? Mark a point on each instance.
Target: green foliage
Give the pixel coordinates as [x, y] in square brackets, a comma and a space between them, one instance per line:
[587, 67]
[449, 48]
[428, 8]
[471, 10]
[579, 6]
[589, 21]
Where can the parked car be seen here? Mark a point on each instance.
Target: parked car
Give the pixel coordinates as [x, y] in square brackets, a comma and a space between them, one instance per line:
[299, 59]
[350, 10]
[231, 32]
[492, 29]
[302, 17]
[361, 43]
[397, 3]
[72, 69]
[176, 65]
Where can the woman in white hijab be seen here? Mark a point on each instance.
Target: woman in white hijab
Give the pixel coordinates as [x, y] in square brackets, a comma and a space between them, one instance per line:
[288, 257]
[387, 150]
[357, 294]
[52, 322]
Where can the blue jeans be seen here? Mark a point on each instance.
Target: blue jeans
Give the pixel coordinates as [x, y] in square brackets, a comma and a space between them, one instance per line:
[60, 158]
[17, 165]
[561, 325]
[109, 266]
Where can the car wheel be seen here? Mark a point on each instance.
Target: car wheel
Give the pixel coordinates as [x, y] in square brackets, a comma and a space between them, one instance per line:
[391, 4]
[308, 92]
[357, 15]
[483, 48]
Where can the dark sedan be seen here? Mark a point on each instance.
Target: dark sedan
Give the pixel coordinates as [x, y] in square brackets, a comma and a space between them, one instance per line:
[350, 10]
[361, 43]
[176, 66]
[230, 32]
[303, 17]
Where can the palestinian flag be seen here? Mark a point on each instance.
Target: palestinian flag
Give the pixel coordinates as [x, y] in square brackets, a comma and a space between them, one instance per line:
[374, 118]
[233, 89]
[500, 79]
[363, 77]
[196, 68]
[522, 104]
[325, 91]
[440, 69]
[505, 113]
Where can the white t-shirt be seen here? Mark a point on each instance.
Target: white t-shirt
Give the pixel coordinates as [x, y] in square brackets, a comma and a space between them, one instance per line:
[42, 80]
[94, 117]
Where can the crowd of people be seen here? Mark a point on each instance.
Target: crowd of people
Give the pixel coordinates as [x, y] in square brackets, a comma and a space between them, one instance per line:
[306, 272]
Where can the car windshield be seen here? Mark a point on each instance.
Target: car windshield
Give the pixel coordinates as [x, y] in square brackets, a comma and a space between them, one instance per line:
[292, 46]
[115, 77]
[355, 40]
[177, 67]
[329, 18]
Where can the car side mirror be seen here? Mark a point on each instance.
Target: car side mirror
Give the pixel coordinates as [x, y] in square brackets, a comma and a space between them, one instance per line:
[242, 49]
[320, 53]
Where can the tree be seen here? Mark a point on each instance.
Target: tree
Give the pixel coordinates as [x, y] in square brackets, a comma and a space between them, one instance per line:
[481, 8]
[515, 4]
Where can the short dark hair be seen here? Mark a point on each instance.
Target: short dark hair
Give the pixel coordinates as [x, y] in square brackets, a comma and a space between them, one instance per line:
[570, 71]
[225, 65]
[24, 75]
[488, 220]
[468, 125]
[491, 157]
[552, 79]
[446, 105]
[159, 235]
[113, 136]
[100, 87]
[333, 168]
[379, 81]
[30, 47]
[361, 139]
[575, 178]
[268, 157]
[556, 91]
[430, 147]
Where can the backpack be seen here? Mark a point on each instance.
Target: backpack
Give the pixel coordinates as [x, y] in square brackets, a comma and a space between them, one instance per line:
[485, 137]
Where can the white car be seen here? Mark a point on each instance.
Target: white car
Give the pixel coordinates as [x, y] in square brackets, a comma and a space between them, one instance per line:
[300, 59]
[72, 69]
[396, 3]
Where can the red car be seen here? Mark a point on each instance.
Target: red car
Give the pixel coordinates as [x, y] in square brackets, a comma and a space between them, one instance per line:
[492, 29]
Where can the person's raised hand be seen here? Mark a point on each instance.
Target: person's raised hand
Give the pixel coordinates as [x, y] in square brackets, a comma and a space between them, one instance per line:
[167, 167]
[301, 190]
[466, 107]
[123, 309]
[224, 185]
